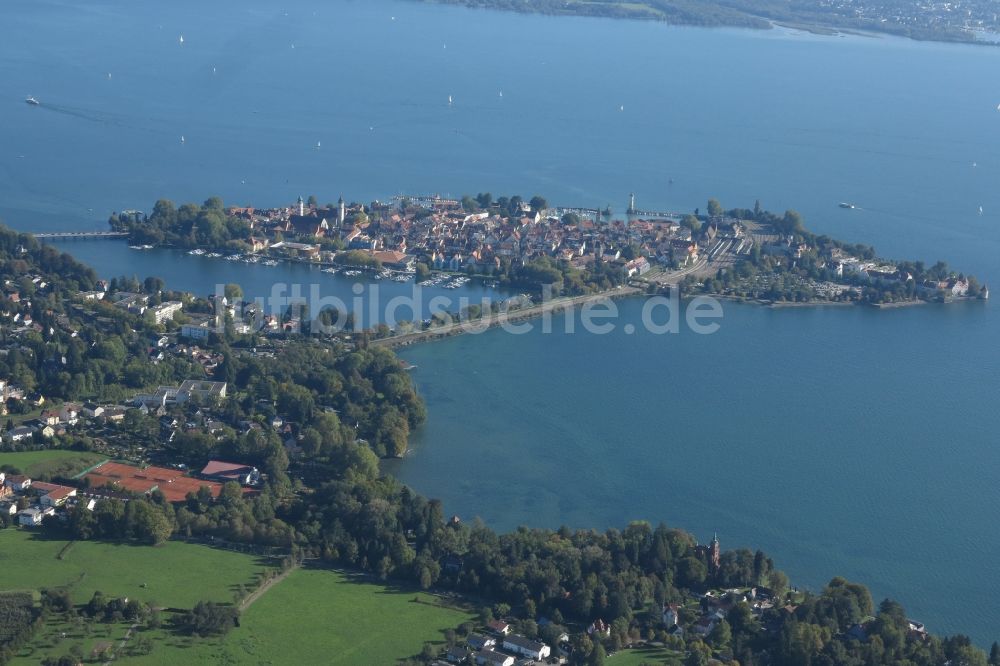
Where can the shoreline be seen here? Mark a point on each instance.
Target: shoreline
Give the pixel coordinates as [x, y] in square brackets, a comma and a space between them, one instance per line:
[751, 21]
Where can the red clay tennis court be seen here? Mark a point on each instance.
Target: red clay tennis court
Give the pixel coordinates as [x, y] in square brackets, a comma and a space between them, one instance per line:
[171, 482]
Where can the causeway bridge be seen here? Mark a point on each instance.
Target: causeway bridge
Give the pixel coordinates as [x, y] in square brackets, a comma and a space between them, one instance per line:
[80, 235]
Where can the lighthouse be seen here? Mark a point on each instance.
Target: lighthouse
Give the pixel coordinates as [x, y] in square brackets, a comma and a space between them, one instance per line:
[302, 207]
[341, 211]
[631, 203]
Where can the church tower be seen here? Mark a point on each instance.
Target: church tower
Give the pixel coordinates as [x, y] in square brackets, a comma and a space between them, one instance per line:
[714, 554]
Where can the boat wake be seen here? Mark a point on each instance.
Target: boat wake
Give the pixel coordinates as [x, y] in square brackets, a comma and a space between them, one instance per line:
[75, 112]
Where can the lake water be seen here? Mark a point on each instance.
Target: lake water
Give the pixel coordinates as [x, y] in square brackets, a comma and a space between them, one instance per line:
[841, 441]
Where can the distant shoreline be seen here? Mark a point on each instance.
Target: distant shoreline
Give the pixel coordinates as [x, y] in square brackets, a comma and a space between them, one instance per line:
[733, 15]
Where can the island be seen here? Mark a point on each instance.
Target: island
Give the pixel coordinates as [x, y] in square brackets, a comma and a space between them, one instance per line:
[971, 22]
[748, 254]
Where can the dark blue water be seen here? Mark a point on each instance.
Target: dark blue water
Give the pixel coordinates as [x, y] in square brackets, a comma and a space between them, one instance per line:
[842, 441]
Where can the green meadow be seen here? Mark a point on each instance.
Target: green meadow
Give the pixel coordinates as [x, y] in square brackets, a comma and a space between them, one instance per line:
[174, 575]
[50, 462]
[320, 617]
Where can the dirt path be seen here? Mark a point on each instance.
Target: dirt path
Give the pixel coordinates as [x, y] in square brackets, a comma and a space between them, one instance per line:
[121, 644]
[259, 592]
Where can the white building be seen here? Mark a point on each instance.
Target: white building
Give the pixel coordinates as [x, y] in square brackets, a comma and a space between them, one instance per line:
[526, 647]
[166, 311]
[32, 516]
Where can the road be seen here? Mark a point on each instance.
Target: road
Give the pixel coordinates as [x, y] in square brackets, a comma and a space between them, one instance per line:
[493, 320]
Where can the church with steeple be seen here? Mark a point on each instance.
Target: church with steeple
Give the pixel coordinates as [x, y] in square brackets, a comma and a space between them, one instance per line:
[712, 553]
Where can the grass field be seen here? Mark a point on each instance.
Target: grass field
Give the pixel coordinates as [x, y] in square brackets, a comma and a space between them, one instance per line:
[319, 617]
[645, 655]
[176, 575]
[51, 462]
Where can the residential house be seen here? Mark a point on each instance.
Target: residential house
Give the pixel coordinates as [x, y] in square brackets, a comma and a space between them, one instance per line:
[20, 433]
[477, 642]
[115, 414]
[17, 482]
[92, 410]
[86, 502]
[499, 627]
[51, 417]
[51, 494]
[526, 647]
[637, 266]
[671, 615]
[491, 658]
[457, 655]
[30, 517]
[599, 627]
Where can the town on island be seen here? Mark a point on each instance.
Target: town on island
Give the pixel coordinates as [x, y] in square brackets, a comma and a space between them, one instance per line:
[749, 254]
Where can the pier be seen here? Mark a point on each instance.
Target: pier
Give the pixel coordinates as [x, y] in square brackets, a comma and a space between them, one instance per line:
[633, 212]
[79, 235]
[655, 214]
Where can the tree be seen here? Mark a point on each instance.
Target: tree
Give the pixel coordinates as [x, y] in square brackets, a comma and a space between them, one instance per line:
[691, 573]
[469, 205]
[233, 292]
[422, 272]
[714, 208]
[778, 582]
[791, 223]
[698, 654]
[597, 656]
[152, 285]
[147, 522]
[721, 635]
[691, 222]
[207, 619]
[538, 204]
